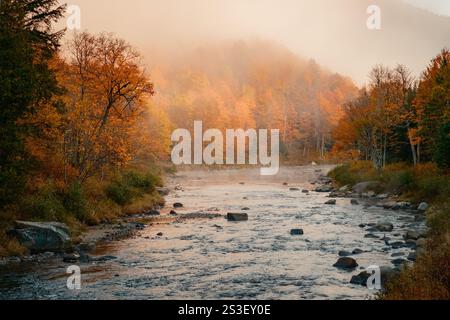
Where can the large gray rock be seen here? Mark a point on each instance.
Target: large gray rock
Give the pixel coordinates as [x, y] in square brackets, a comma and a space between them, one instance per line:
[42, 236]
[363, 187]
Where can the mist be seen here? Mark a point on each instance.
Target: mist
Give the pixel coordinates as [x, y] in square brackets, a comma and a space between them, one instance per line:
[333, 33]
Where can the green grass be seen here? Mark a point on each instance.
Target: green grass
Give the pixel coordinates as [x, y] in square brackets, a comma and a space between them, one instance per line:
[131, 185]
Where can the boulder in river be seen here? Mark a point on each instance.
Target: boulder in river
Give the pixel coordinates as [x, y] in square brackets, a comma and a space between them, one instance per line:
[344, 253]
[385, 227]
[354, 202]
[357, 251]
[42, 236]
[177, 205]
[294, 189]
[331, 202]
[346, 263]
[237, 216]
[297, 232]
[360, 279]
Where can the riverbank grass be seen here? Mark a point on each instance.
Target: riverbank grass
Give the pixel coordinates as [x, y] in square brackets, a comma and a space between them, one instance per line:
[429, 278]
[96, 201]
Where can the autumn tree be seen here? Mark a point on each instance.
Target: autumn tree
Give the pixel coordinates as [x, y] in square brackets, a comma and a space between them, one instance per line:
[107, 86]
[432, 105]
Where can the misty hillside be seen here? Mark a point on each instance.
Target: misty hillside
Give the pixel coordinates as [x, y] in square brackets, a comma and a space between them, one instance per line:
[253, 85]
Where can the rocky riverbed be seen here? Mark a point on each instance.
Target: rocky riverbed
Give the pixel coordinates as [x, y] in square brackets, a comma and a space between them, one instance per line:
[300, 239]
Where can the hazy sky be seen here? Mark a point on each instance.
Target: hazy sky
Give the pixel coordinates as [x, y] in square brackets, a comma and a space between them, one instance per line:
[441, 7]
[333, 32]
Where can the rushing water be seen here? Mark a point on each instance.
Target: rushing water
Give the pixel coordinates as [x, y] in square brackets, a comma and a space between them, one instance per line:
[217, 259]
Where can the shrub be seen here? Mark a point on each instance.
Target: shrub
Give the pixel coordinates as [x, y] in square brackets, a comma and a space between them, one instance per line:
[120, 193]
[131, 185]
[46, 204]
[75, 202]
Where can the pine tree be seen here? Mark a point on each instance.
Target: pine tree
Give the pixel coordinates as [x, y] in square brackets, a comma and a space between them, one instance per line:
[27, 43]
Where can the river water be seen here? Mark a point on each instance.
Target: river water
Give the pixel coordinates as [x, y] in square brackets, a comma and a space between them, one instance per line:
[217, 259]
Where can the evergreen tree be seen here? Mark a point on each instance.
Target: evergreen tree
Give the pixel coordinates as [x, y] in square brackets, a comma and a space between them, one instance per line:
[27, 43]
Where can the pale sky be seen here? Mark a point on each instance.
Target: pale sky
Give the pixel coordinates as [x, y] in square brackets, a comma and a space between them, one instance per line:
[333, 32]
[441, 7]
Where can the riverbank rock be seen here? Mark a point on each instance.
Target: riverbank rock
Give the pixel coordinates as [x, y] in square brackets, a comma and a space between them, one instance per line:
[363, 187]
[237, 217]
[412, 235]
[399, 262]
[324, 189]
[331, 202]
[163, 191]
[294, 189]
[42, 236]
[412, 256]
[71, 257]
[297, 232]
[177, 205]
[154, 213]
[423, 207]
[346, 263]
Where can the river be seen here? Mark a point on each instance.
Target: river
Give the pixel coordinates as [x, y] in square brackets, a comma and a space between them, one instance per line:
[217, 259]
